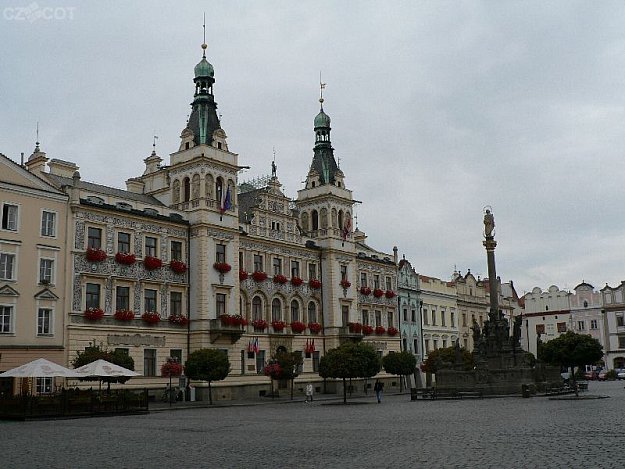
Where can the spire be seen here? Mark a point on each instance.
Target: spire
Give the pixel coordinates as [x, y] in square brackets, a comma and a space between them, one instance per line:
[323, 160]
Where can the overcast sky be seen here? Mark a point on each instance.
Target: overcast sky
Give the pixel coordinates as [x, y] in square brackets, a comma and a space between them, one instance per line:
[438, 109]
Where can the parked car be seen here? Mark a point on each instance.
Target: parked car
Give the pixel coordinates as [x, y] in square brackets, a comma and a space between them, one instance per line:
[602, 376]
[591, 375]
[620, 374]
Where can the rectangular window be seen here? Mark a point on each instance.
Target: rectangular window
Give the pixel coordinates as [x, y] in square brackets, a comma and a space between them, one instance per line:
[343, 272]
[365, 317]
[621, 342]
[344, 314]
[44, 321]
[92, 295]
[619, 319]
[220, 253]
[149, 362]
[378, 318]
[94, 238]
[315, 361]
[48, 224]
[149, 300]
[561, 327]
[581, 325]
[150, 246]
[443, 315]
[435, 344]
[405, 315]
[44, 385]
[9, 217]
[540, 328]
[376, 281]
[175, 303]
[433, 318]
[452, 319]
[389, 319]
[389, 285]
[6, 319]
[260, 362]
[241, 261]
[425, 318]
[312, 271]
[123, 242]
[176, 251]
[122, 298]
[258, 263]
[46, 267]
[415, 345]
[176, 354]
[464, 319]
[294, 269]
[427, 345]
[363, 279]
[277, 266]
[444, 343]
[7, 261]
[413, 315]
[551, 328]
[220, 303]
[593, 324]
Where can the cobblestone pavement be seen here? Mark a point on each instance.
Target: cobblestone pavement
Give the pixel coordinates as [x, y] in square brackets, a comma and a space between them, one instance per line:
[485, 433]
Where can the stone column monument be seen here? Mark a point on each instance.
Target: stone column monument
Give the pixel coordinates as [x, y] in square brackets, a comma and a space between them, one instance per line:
[490, 244]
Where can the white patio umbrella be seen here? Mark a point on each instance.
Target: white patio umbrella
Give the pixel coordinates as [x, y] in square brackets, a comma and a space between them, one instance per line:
[40, 368]
[103, 369]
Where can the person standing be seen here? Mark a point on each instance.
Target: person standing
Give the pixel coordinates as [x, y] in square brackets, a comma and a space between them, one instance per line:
[378, 388]
[309, 392]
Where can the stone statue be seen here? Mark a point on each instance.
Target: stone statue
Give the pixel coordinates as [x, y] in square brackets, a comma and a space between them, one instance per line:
[274, 169]
[518, 320]
[489, 223]
[458, 353]
[476, 332]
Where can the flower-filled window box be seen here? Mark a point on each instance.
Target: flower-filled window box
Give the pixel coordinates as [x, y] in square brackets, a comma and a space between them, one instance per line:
[314, 283]
[296, 281]
[365, 291]
[378, 293]
[355, 327]
[345, 283]
[151, 317]
[278, 326]
[390, 294]
[392, 331]
[222, 267]
[124, 315]
[281, 279]
[171, 368]
[125, 258]
[259, 324]
[259, 276]
[178, 266]
[94, 314]
[243, 275]
[379, 330]
[241, 320]
[178, 319]
[232, 320]
[298, 327]
[367, 329]
[95, 255]
[152, 263]
[314, 327]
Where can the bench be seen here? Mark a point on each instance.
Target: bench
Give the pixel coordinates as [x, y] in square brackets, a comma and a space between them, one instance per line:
[423, 393]
[470, 394]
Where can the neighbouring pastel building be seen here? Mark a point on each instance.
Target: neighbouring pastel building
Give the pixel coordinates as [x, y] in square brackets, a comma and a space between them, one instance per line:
[614, 307]
[547, 314]
[587, 315]
[473, 305]
[410, 305]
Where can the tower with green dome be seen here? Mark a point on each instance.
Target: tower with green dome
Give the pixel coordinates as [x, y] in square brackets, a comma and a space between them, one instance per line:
[203, 121]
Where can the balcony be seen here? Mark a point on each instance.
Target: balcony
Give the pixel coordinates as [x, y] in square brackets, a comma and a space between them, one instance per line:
[218, 330]
[347, 333]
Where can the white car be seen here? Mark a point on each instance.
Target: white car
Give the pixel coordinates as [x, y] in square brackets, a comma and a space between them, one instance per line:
[620, 374]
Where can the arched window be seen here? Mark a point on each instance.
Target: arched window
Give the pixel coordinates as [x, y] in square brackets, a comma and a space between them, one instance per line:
[312, 312]
[257, 308]
[175, 196]
[219, 187]
[208, 185]
[305, 221]
[294, 311]
[340, 219]
[324, 218]
[315, 220]
[195, 187]
[276, 310]
[187, 190]
[334, 218]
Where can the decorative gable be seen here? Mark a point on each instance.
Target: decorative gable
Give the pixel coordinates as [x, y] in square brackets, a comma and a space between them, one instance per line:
[7, 290]
[46, 294]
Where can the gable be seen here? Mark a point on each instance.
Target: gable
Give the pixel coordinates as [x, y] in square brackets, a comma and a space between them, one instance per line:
[46, 294]
[12, 173]
[7, 290]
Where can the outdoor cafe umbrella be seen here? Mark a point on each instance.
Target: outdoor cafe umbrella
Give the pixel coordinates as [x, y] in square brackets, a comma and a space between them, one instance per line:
[40, 368]
[101, 370]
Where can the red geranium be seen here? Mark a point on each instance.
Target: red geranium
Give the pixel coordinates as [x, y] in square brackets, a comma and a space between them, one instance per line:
[222, 267]
[298, 327]
[124, 315]
[273, 370]
[259, 276]
[365, 291]
[345, 283]
[94, 314]
[390, 294]
[314, 283]
[379, 330]
[355, 327]
[171, 368]
[95, 255]
[278, 325]
[296, 281]
[151, 317]
[125, 258]
[259, 324]
[178, 319]
[314, 327]
[152, 263]
[392, 331]
[243, 275]
[378, 293]
[178, 266]
[281, 279]
[367, 329]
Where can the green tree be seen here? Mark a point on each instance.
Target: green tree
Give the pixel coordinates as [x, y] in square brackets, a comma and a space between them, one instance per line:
[571, 350]
[97, 352]
[446, 358]
[290, 363]
[401, 364]
[208, 365]
[350, 360]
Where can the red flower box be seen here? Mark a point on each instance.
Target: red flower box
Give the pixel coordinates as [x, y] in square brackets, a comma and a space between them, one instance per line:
[392, 331]
[94, 314]
[298, 327]
[233, 320]
[242, 321]
[178, 266]
[379, 330]
[151, 317]
[314, 283]
[278, 325]
[171, 368]
[314, 327]
[259, 276]
[281, 279]
[222, 267]
[259, 324]
[95, 255]
[152, 263]
[125, 258]
[296, 281]
[273, 370]
[345, 283]
[367, 329]
[365, 291]
[390, 294]
[378, 293]
[124, 315]
[178, 319]
[355, 327]
[243, 275]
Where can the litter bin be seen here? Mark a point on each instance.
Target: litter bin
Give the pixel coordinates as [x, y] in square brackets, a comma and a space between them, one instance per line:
[191, 393]
[525, 390]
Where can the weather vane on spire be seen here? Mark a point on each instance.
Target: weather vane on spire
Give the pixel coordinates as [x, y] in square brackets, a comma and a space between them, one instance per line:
[154, 143]
[322, 86]
[204, 46]
[37, 142]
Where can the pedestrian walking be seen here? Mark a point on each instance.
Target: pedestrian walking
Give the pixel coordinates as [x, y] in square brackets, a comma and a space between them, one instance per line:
[309, 392]
[378, 388]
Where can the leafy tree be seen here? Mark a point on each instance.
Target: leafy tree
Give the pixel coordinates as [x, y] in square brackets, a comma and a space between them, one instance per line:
[446, 358]
[208, 365]
[401, 364]
[571, 350]
[350, 360]
[284, 365]
[97, 352]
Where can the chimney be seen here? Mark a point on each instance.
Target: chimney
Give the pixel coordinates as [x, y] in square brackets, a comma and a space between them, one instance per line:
[135, 185]
[62, 168]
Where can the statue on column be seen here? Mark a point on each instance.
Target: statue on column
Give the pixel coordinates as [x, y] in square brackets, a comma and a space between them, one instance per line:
[489, 223]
